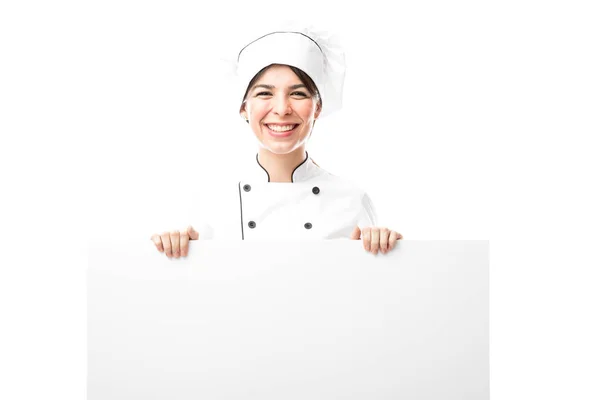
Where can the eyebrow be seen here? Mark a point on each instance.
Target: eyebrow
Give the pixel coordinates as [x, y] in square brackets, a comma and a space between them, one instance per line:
[298, 86]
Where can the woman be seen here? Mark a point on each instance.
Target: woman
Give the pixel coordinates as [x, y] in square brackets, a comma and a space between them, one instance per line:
[290, 79]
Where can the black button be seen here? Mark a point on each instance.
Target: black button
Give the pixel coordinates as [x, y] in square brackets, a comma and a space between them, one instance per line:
[308, 225]
[252, 224]
[247, 188]
[316, 190]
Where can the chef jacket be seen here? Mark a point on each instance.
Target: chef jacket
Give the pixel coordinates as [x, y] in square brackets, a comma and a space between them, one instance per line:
[315, 205]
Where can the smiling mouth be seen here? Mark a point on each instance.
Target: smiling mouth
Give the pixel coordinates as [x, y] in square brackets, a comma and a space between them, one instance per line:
[282, 128]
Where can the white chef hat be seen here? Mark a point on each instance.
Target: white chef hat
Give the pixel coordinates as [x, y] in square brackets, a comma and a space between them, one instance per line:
[316, 52]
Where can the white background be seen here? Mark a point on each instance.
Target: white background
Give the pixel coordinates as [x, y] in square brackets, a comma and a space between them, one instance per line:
[463, 120]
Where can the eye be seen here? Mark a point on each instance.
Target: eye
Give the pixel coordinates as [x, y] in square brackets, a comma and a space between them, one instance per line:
[301, 94]
[263, 94]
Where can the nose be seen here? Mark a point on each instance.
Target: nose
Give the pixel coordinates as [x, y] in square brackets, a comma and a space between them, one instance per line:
[281, 105]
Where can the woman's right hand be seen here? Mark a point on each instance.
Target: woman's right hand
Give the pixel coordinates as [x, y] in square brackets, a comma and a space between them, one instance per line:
[175, 243]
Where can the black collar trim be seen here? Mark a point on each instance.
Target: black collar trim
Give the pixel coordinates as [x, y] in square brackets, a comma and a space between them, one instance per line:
[306, 158]
[292, 178]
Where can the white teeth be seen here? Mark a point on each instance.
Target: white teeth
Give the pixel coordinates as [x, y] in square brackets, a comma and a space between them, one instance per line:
[277, 128]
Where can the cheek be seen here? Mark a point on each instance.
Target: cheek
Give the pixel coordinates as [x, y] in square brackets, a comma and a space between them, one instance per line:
[305, 111]
[258, 110]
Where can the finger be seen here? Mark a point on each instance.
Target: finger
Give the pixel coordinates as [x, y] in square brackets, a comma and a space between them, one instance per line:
[374, 240]
[184, 240]
[366, 234]
[394, 236]
[166, 242]
[355, 235]
[175, 243]
[157, 242]
[192, 233]
[384, 238]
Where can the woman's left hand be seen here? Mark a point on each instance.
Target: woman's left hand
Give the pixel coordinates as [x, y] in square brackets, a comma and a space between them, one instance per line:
[375, 239]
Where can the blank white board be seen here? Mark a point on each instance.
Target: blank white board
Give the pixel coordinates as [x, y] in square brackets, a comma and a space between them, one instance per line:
[289, 320]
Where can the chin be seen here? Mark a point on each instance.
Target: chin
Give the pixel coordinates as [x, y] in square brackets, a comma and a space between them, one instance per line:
[280, 149]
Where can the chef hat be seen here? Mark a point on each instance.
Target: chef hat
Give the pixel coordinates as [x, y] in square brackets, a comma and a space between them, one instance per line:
[316, 52]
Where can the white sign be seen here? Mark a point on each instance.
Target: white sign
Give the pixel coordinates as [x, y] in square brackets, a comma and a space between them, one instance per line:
[289, 320]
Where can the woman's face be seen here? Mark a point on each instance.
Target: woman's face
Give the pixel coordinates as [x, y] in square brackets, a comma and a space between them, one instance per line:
[280, 110]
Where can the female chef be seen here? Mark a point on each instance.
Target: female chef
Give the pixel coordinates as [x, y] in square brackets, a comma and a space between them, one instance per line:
[288, 79]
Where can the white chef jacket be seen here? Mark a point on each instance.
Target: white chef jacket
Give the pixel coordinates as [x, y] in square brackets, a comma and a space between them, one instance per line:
[315, 205]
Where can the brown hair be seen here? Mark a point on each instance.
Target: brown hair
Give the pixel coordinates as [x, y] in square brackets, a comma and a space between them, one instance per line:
[303, 76]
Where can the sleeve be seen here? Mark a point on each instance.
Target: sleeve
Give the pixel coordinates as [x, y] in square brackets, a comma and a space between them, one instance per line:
[368, 215]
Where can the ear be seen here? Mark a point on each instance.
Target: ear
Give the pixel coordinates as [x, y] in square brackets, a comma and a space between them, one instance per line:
[243, 112]
[318, 110]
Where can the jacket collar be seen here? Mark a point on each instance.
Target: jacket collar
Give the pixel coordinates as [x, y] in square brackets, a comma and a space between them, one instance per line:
[306, 170]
